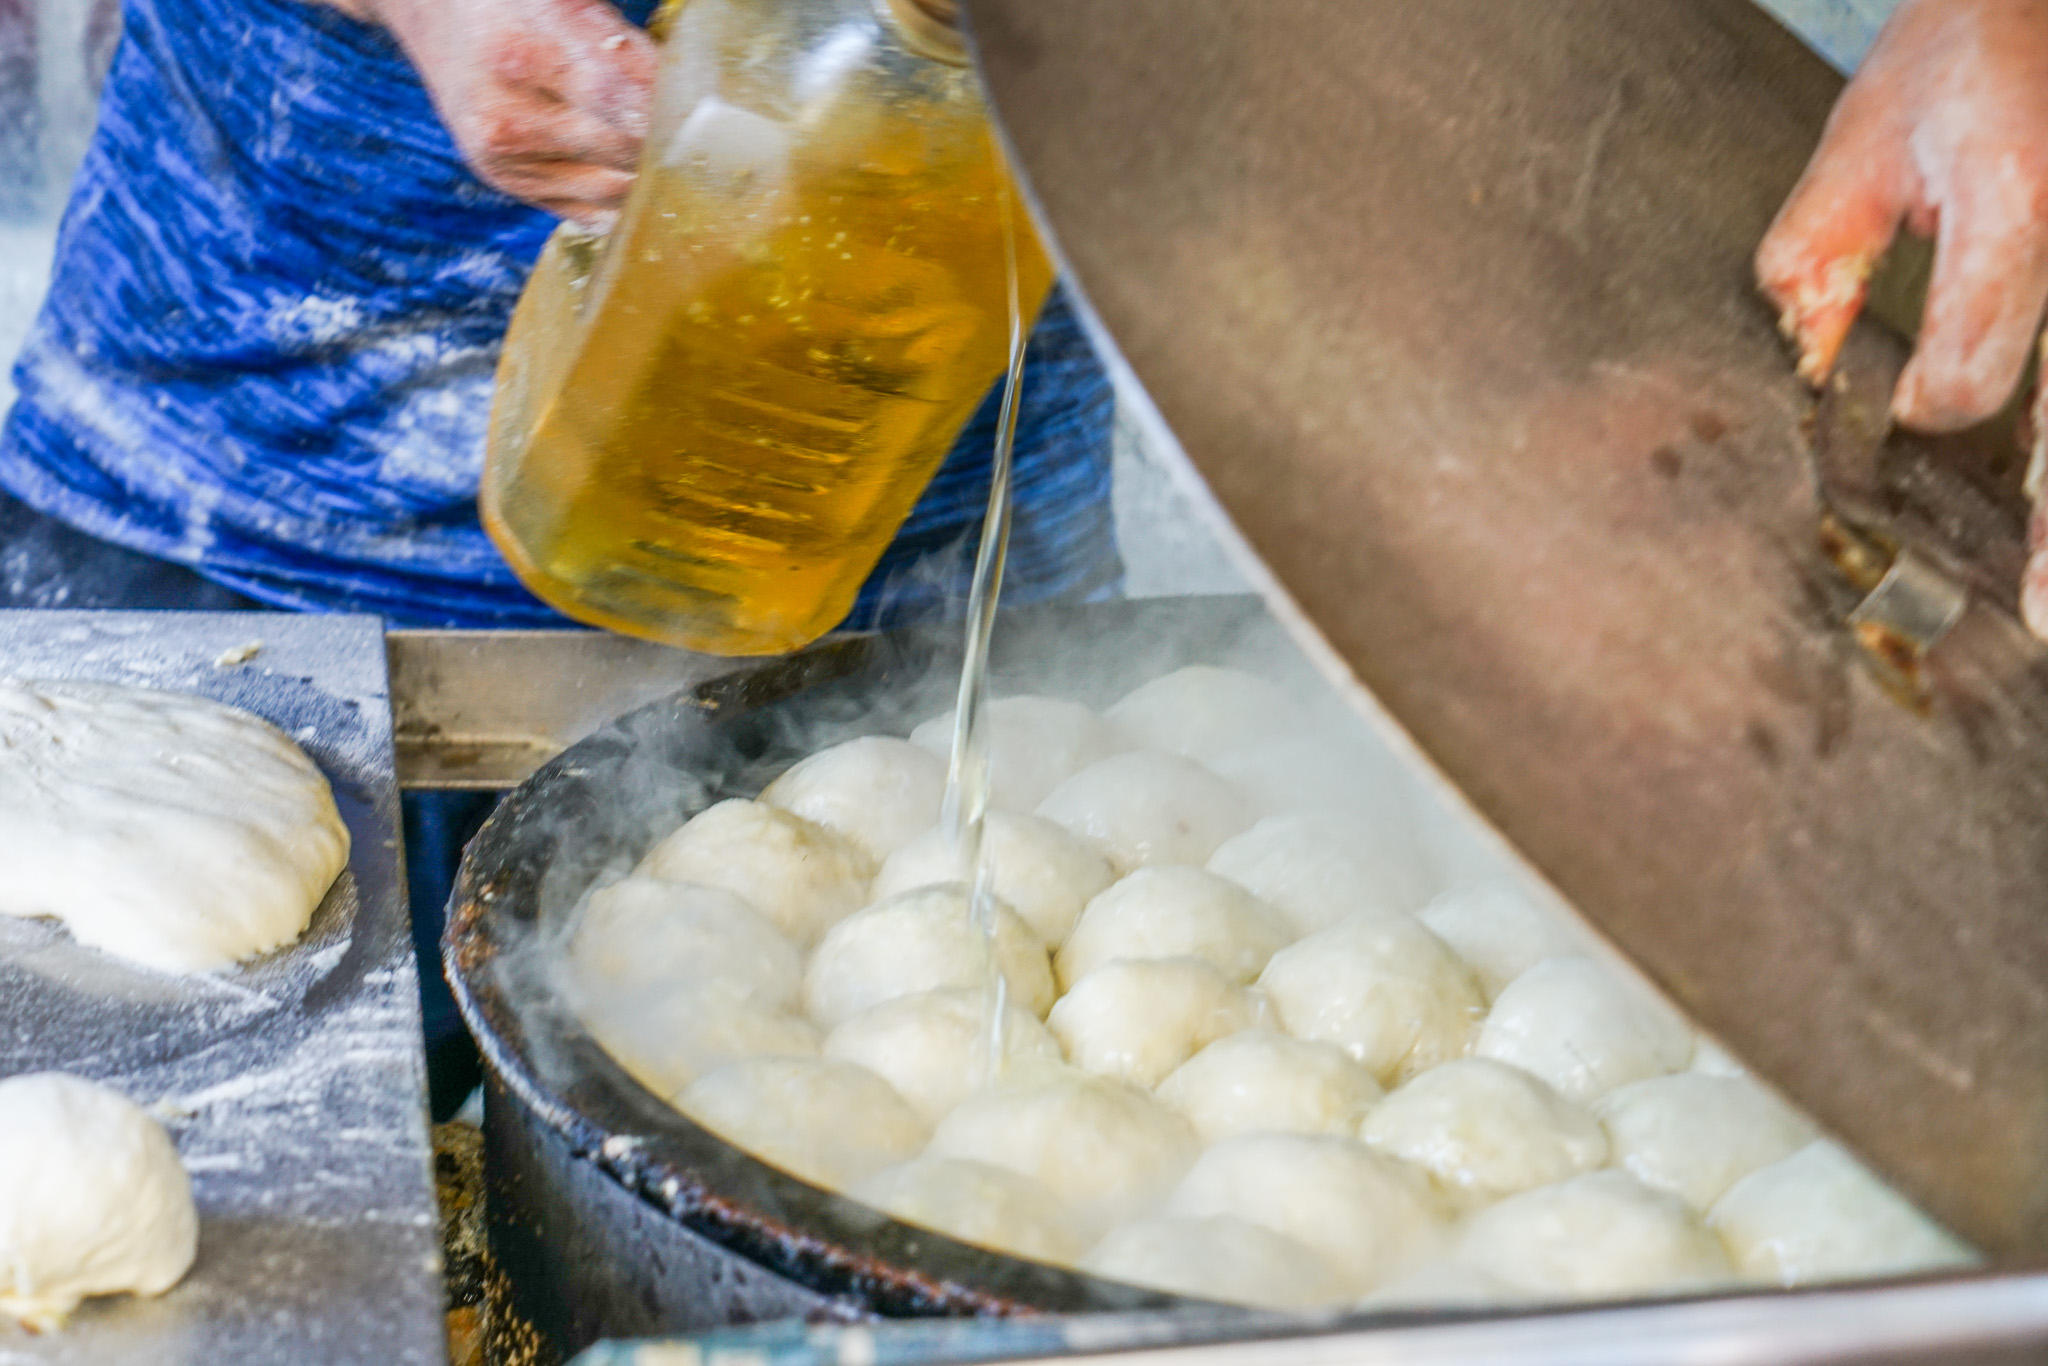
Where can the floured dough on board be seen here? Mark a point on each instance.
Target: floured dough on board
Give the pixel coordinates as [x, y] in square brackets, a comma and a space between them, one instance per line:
[878, 791]
[801, 876]
[1216, 1258]
[1043, 871]
[1137, 1019]
[977, 1203]
[1261, 1081]
[1034, 744]
[93, 1200]
[827, 1122]
[160, 827]
[1173, 912]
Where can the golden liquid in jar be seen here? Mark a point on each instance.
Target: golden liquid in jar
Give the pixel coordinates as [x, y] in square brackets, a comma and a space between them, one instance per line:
[758, 397]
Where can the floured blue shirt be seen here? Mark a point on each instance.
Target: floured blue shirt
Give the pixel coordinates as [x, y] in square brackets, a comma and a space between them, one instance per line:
[268, 348]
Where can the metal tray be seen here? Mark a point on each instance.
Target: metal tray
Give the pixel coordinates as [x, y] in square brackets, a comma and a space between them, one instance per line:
[295, 1085]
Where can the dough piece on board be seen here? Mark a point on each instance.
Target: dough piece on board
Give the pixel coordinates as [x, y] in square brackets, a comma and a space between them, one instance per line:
[167, 829]
[93, 1200]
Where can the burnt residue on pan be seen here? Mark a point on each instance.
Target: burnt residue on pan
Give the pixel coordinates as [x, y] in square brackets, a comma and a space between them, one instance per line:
[604, 801]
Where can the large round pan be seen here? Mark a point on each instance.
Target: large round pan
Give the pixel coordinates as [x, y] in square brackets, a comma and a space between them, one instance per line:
[614, 1214]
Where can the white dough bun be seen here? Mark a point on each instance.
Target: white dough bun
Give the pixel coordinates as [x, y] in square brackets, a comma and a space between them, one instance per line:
[1218, 1258]
[1498, 931]
[1366, 1215]
[1318, 868]
[878, 792]
[667, 1039]
[923, 940]
[1819, 1216]
[933, 1047]
[1584, 1028]
[1138, 1019]
[1172, 912]
[1204, 712]
[1695, 1135]
[642, 934]
[1044, 872]
[1382, 988]
[1602, 1235]
[93, 1199]
[821, 1120]
[1109, 1150]
[1262, 1081]
[1034, 744]
[975, 1202]
[801, 876]
[1146, 807]
[1485, 1130]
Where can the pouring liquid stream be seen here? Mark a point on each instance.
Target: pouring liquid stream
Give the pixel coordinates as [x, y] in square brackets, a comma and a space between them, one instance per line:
[967, 773]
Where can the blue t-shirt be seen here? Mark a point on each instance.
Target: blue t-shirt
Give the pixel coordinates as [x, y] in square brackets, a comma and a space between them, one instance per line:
[277, 305]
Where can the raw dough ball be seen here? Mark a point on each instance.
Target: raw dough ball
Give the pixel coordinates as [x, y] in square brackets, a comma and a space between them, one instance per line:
[877, 791]
[1147, 807]
[920, 941]
[801, 876]
[1106, 1149]
[1172, 912]
[1204, 712]
[1497, 931]
[667, 1039]
[1382, 988]
[92, 1198]
[1317, 868]
[1485, 1129]
[1045, 873]
[1442, 1285]
[1696, 1135]
[1323, 773]
[1714, 1060]
[641, 934]
[1261, 1081]
[988, 1206]
[1138, 1019]
[1363, 1213]
[827, 1122]
[1217, 1258]
[1583, 1028]
[1818, 1215]
[162, 828]
[1597, 1236]
[931, 1046]
[1034, 744]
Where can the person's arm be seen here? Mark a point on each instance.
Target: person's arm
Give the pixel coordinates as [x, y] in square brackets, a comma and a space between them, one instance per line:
[547, 99]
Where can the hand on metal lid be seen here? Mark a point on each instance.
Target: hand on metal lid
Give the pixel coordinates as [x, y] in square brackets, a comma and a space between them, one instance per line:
[1944, 130]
